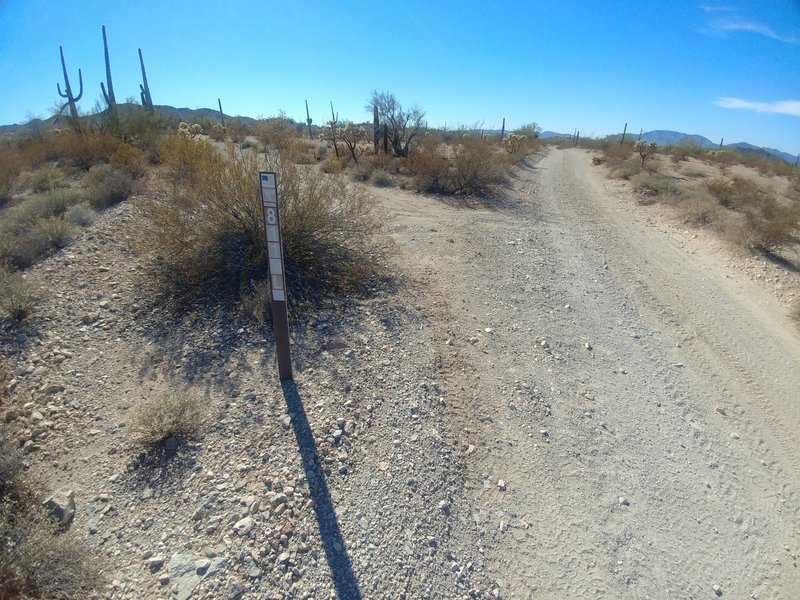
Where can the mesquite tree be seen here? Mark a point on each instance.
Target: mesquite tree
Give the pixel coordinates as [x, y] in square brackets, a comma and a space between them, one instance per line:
[402, 126]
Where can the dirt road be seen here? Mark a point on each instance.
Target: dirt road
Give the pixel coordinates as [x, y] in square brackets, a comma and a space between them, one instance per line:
[629, 403]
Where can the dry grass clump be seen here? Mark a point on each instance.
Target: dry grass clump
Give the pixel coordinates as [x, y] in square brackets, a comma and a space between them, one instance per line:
[37, 558]
[620, 160]
[654, 187]
[174, 414]
[769, 223]
[18, 296]
[700, 209]
[206, 224]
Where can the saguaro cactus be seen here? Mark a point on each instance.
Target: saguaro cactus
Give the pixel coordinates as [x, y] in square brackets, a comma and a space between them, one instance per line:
[376, 126]
[147, 100]
[221, 114]
[503, 130]
[334, 125]
[67, 93]
[308, 122]
[108, 94]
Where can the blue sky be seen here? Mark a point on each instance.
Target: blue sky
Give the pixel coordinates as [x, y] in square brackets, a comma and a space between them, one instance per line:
[721, 69]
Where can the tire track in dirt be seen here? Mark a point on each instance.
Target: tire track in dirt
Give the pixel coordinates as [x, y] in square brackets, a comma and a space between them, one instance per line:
[621, 479]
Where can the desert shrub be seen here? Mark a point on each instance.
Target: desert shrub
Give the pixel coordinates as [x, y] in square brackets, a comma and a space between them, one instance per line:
[47, 178]
[172, 414]
[86, 150]
[208, 229]
[107, 186]
[381, 179]
[18, 296]
[662, 187]
[625, 170]
[129, 160]
[218, 132]
[475, 170]
[531, 131]
[332, 165]
[29, 230]
[250, 143]
[80, 214]
[737, 193]
[362, 172]
[431, 170]
[701, 209]
[57, 230]
[771, 224]
[37, 559]
[687, 148]
[237, 129]
[22, 250]
[9, 171]
[143, 131]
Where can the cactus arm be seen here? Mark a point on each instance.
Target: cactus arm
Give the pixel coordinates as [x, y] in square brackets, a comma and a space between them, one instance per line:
[80, 86]
[110, 98]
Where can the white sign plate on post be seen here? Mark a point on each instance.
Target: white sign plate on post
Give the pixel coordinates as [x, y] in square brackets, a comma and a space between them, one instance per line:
[269, 199]
[280, 314]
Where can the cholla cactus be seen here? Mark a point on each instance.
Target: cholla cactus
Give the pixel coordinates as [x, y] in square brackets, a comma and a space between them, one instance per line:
[513, 142]
[644, 149]
[189, 131]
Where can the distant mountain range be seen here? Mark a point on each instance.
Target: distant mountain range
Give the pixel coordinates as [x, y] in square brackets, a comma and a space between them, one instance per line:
[661, 137]
[664, 137]
[167, 112]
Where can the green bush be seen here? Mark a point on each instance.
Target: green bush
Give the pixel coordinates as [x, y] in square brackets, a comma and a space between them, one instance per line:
[206, 224]
[47, 178]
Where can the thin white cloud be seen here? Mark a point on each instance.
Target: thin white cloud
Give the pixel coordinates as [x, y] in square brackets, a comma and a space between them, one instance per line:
[714, 9]
[781, 107]
[759, 28]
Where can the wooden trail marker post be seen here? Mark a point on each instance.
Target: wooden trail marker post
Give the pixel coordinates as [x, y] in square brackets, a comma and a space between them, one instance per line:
[280, 314]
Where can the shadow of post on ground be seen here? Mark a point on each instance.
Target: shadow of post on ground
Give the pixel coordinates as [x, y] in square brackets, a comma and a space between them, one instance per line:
[335, 550]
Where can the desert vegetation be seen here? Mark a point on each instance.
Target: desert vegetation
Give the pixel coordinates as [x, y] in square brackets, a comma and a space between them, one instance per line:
[39, 556]
[750, 201]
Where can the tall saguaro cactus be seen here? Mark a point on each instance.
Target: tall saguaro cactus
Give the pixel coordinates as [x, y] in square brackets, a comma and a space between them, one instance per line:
[221, 114]
[67, 93]
[108, 94]
[376, 126]
[308, 122]
[147, 100]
